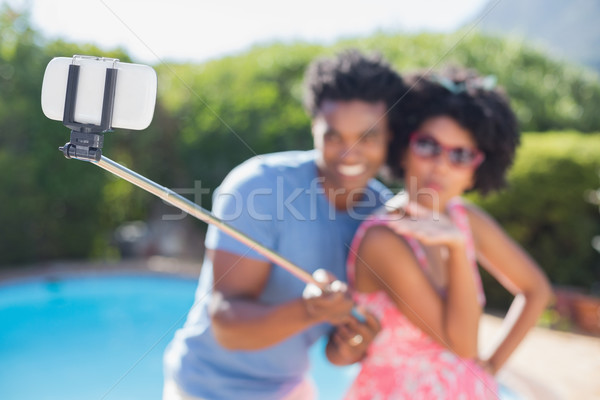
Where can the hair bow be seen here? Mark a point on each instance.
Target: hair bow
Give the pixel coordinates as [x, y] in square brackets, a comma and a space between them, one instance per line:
[483, 82]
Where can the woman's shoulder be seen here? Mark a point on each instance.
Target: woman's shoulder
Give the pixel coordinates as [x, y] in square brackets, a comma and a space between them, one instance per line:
[485, 229]
[374, 229]
[476, 214]
[379, 241]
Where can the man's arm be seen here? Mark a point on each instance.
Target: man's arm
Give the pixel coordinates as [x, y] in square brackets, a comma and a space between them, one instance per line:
[240, 322]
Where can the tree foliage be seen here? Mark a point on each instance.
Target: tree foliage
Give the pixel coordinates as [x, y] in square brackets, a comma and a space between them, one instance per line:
[211, 116]
[50, 207]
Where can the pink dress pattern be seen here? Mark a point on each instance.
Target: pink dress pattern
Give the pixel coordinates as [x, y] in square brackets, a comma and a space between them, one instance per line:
[403, 362]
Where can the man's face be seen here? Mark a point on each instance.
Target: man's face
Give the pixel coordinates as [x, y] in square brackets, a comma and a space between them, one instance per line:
[351, 138]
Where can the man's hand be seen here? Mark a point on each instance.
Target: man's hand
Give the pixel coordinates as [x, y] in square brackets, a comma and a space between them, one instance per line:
[331, 304]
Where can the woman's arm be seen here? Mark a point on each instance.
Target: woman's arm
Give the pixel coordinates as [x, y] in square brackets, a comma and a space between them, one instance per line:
[518, 273]
[387, 260]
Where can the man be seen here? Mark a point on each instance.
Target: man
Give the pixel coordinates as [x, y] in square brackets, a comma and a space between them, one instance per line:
[249, 332]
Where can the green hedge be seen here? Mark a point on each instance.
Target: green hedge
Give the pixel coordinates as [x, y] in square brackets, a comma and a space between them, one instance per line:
[545, 207]
[212, 116]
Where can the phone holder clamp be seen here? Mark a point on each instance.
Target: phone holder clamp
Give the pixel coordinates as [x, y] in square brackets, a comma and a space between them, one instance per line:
[87, 139]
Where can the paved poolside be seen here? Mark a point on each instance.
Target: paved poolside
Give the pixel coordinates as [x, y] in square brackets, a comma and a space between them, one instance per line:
[550, 365]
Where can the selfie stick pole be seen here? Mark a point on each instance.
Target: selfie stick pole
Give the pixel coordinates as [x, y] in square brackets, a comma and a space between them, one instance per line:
[202, 214]
[86, 144]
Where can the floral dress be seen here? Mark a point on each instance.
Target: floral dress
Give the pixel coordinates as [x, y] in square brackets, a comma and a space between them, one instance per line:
[403, 362]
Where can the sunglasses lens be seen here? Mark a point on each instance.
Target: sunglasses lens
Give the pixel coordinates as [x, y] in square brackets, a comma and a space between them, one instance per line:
[462, 157]
[426, 147]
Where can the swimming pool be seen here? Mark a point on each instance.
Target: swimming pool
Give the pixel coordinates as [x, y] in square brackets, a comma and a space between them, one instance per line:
[103, 337]
[88, 337]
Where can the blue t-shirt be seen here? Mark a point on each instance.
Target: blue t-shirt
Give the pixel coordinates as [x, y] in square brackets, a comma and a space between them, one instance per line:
[279, 201]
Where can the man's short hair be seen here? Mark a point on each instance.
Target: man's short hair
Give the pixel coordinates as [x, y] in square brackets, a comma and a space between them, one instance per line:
[351, 75]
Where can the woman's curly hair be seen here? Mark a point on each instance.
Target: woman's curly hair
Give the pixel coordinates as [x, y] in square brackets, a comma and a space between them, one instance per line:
[476, 105]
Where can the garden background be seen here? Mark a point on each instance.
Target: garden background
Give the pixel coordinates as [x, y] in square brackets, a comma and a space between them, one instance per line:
[54, 209]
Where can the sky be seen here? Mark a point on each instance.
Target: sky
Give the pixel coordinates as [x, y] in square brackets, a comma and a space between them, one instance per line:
[154, 31]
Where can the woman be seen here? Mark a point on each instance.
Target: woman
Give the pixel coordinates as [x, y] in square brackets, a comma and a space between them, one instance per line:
[415, 266]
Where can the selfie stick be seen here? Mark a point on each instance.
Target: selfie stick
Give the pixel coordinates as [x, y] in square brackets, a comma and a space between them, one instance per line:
[204, 215]
[86, 144]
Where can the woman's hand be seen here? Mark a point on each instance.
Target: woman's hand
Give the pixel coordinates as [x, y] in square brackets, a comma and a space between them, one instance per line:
[426, 226]
[349, 342]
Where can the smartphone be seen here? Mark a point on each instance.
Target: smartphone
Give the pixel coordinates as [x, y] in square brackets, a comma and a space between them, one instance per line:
[135, 91]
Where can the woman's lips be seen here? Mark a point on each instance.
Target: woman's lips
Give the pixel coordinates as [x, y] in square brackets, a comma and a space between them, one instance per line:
[434, 186]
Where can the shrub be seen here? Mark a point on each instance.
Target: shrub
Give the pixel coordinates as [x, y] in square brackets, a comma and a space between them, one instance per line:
[545, 208]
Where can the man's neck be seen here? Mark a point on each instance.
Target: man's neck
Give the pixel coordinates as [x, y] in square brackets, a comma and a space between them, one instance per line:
[343, 199]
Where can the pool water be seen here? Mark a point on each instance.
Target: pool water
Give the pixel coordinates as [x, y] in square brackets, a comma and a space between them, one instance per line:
[103, 337]
[89, 338]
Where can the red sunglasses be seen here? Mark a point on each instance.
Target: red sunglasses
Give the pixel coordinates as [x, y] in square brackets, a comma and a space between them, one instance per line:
[426, 146]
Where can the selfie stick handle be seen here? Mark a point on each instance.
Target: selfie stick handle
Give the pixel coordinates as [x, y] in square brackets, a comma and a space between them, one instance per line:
[202, 214]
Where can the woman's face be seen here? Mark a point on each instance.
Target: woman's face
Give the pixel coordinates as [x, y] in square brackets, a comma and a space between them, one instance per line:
[432, 180]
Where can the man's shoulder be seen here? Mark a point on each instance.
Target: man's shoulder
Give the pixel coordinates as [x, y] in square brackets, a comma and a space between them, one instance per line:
[281, 160]
[268, 165]
[382, 192]
[263, 170]
[379, 187]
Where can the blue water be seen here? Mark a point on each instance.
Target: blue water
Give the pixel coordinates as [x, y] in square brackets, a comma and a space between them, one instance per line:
[89, 338]
[103, 337]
